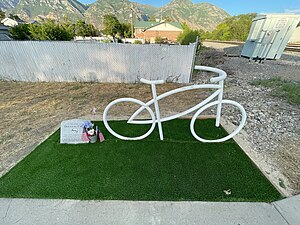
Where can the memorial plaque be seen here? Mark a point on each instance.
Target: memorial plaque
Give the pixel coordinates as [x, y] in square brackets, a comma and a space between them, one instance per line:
[71, 132]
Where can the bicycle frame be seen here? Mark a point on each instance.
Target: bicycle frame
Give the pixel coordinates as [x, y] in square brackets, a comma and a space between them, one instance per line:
[200, 107]
[218, 92]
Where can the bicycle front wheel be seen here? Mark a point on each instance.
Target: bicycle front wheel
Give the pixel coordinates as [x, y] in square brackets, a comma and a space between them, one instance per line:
[237, 106]
[129, 103]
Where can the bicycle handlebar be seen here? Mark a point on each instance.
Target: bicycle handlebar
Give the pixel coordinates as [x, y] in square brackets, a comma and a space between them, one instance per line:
[222, 74]
[152, 81]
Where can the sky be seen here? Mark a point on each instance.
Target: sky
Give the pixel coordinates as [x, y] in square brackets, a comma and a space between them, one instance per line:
[236, 7]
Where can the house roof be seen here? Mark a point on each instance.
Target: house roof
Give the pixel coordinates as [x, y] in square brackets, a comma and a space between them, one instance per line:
[175, 24]
[5, 37]
[148, 24]
[145, 24]
[3, 27]
[16, 20]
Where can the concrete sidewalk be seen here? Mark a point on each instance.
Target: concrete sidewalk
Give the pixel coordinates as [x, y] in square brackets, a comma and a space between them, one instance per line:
[73, 212]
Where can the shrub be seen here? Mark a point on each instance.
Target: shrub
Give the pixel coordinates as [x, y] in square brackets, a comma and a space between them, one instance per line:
[137, 42]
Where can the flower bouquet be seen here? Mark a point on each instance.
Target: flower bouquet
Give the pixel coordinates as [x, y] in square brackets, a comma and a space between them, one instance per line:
[90, 131]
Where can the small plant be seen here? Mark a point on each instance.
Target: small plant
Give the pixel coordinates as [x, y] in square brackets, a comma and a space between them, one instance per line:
[281, 183]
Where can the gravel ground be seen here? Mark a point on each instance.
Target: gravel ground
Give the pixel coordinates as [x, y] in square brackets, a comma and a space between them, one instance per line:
[30, 112]
[273, 125]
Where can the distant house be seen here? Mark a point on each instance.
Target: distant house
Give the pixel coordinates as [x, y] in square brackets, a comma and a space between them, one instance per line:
[11, 22]
[4, 33]
[151, 30]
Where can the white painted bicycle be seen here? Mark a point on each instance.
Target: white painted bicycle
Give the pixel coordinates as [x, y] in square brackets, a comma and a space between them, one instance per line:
[200, 107]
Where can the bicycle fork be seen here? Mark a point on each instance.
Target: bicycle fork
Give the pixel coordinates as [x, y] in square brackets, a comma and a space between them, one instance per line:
[157, 112]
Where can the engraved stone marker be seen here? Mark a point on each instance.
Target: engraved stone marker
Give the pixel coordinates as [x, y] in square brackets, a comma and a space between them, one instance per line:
[71, 132]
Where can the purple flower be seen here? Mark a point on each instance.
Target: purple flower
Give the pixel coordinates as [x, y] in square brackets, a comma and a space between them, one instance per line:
[87, 124]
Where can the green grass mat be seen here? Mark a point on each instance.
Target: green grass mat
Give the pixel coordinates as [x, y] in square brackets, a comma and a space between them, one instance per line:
[178, 168]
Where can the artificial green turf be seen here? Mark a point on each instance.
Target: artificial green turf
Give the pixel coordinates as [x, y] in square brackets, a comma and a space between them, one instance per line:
[178, 168]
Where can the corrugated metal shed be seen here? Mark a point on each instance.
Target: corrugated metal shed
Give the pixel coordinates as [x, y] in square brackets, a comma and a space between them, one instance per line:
[295, 38]
[269, 35]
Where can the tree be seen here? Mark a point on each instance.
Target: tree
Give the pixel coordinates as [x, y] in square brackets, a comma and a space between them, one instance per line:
[187, 36]
[233, 28]
[80, 28]
[125, 30]
[50, 31]
[21, 32]
[2, 15]
[84, 29]
[112, 25]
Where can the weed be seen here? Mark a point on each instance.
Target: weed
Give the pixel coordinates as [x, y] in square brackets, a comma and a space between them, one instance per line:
[281, 183]
[282, 88]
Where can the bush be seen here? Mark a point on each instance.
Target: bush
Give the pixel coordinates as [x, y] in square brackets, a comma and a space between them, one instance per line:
[137, 42]
[50, 31]
[233, 28]
[158, 40]
[21, 32]
[187, 37]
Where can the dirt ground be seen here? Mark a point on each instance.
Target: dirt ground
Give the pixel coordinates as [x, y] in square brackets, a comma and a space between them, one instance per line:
[30, 112]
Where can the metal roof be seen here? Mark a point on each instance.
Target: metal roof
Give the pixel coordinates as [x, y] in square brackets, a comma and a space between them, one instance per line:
[145, 24]
[148, 24]
[3, 27]
[5, 37]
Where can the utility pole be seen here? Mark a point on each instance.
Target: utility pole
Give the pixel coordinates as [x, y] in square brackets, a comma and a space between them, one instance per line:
[161, 16]
[131, 16]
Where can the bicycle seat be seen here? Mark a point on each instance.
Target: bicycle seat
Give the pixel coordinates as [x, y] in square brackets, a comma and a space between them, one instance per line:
[152, 81]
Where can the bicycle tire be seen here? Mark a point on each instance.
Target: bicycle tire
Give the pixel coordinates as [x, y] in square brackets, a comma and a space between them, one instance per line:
[238, 129]
[110, 130]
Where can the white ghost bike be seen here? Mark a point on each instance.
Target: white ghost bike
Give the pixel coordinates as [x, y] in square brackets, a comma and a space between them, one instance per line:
[217, 83]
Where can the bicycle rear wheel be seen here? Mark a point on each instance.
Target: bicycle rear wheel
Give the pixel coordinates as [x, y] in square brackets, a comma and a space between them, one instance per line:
[129, 101]
[224, 102]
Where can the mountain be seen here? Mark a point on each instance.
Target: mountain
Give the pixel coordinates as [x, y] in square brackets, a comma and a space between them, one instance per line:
[8, 4]
[53, 9]
[197, 16]
[203, 16]
[147, 9]
[119, 8]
